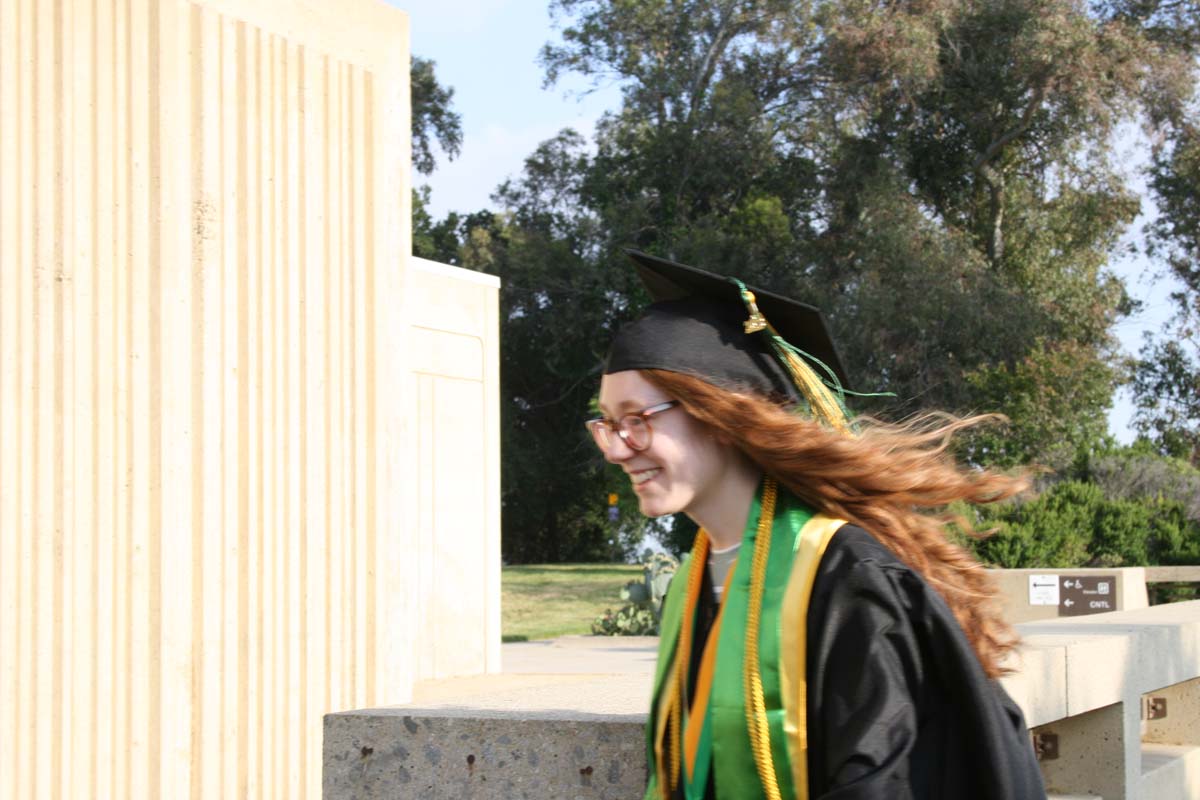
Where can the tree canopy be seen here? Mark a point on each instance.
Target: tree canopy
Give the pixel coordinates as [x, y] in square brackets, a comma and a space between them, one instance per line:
[1167, 385]
[937, 176]
[433, 116]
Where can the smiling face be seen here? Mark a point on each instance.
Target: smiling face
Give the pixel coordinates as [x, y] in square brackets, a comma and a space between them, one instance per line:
[685, 467]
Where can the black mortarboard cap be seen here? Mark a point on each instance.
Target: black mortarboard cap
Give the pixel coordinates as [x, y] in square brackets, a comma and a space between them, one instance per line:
[695, 326]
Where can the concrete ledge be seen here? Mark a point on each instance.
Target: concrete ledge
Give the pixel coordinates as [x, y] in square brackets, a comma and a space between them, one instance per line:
[473, 753]
[565, 720]
[1161, 645]
[1172, 574]
[569, 732]
[1084, 679]
[1041, 675]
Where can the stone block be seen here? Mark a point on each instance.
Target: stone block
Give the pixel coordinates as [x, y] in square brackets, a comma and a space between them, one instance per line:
[1039, 684]
[467, 754]
[1091, 754]
[1181, 725]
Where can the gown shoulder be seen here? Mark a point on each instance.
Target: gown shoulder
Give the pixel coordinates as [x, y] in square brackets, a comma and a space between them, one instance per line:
[899, 705]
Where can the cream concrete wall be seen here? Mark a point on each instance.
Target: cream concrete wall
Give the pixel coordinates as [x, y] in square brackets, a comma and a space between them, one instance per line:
[204, 540]
[455, 405]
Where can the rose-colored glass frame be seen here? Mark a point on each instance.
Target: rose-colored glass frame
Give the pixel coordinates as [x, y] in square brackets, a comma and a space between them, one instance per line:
[602, 428]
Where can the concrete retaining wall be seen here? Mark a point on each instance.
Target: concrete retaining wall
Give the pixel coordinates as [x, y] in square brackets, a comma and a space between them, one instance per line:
[1081, 679]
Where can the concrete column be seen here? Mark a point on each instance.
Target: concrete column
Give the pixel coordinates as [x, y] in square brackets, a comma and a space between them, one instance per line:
[204, 228]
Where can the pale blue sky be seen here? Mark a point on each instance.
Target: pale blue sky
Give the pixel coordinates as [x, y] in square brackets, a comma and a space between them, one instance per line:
[487, 51]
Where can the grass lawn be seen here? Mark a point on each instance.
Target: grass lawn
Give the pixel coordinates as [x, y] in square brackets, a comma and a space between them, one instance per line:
[540, 601]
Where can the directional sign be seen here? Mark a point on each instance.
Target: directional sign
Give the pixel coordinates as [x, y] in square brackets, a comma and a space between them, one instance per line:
[1087, 594]
[1043, 590]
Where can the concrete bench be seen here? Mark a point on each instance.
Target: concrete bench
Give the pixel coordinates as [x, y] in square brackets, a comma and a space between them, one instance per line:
[1096, 682]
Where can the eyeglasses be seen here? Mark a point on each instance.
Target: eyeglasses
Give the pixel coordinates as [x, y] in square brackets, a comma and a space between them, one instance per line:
[634, 429]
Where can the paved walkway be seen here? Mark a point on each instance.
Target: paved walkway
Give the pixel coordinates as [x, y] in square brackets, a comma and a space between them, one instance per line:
[604, 675]
[632, 655]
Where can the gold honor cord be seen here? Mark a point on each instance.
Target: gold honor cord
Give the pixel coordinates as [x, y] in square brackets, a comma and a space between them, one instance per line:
[756, 707]
[756, 710]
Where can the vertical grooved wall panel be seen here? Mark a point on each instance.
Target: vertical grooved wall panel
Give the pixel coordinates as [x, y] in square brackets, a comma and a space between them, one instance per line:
[203, 238]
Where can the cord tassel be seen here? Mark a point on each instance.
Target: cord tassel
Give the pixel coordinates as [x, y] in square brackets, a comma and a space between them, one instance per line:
[824, 397]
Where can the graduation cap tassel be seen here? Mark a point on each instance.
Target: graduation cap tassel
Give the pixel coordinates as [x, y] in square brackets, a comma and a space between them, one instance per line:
[825, 406]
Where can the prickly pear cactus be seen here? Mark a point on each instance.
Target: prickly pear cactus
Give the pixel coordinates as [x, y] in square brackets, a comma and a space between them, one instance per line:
[658, 571]
[643, 601]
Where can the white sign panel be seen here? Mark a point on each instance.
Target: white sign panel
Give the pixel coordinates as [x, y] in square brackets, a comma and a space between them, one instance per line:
[1043, 590]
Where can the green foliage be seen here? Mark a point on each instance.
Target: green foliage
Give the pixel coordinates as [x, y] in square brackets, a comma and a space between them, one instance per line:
[1173, 22]
[433, 116]
[1167, 382]
[642, 612]
[1167, 390]
[682, 535]
[1053, 531]
[433, 119]
[1082, 524]
[974, 209]
[554, 313]
[935, 176]
[629, 620]
[436, 240]
[1139, 472]
[1035, 394]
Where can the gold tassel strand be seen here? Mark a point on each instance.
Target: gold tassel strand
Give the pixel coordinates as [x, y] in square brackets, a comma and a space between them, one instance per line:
[825, 407]
[821, 401]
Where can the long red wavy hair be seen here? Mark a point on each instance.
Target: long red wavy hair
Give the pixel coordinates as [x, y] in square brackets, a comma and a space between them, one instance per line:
[895, 481]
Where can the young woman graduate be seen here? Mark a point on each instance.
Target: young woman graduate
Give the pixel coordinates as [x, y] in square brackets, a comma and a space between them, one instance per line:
[823, 639]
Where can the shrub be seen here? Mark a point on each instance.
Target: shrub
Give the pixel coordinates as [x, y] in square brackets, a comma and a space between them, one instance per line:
[1078, 524]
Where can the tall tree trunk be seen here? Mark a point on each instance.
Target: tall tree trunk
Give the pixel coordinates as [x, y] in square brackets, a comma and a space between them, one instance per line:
[995, 241]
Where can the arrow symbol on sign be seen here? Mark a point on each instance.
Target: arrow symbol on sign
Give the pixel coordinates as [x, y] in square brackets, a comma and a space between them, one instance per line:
[1068, 602]
[1068, 584]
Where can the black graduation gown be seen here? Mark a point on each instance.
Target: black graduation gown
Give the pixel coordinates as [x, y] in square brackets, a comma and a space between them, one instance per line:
[899, 707]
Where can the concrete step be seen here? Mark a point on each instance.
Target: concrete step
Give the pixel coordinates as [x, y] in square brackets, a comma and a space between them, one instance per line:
[1170, 772]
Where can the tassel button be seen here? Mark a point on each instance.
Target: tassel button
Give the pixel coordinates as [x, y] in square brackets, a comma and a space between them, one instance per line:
[757, 321]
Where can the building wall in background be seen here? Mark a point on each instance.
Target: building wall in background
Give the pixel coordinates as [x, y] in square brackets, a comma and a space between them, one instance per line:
[455, 405]
[205, 542]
